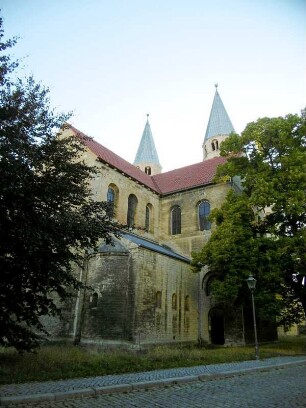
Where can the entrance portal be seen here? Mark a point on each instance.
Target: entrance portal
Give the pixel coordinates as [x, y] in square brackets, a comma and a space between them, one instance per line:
[216, 318]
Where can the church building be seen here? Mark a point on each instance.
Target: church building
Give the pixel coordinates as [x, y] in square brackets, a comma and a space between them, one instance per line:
[144, 290]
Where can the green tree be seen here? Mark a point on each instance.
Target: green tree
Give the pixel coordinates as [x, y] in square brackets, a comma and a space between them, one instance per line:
[48, 219]
[262, 230]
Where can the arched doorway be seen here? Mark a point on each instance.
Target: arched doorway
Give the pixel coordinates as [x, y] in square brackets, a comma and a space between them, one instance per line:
[216, 323]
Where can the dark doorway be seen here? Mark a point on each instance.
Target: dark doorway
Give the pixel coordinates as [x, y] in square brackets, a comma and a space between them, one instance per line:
[216, 318]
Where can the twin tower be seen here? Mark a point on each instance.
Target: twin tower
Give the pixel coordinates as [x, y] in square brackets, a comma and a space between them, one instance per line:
[218, 128]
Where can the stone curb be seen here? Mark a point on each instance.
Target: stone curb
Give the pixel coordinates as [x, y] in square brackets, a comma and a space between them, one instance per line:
[112, 389]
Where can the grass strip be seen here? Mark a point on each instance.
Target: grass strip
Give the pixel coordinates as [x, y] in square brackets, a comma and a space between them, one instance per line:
[55, 362]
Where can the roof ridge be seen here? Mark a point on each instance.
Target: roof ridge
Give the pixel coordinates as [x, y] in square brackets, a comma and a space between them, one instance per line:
[188, 166]
[183, 178]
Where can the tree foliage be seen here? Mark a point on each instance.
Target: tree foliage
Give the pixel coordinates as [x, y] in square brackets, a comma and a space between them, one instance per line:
[262, 230]
[48, 219]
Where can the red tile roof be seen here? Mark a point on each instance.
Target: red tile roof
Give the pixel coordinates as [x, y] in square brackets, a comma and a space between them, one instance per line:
[184, 178]
[188, 177]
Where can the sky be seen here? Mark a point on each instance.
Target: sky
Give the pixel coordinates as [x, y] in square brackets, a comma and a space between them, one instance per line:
[113, 61]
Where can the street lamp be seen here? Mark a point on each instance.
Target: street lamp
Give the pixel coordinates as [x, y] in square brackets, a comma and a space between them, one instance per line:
[251, 281]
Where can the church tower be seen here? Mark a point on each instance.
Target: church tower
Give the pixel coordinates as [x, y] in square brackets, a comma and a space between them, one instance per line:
[218, 128]
[146, 157]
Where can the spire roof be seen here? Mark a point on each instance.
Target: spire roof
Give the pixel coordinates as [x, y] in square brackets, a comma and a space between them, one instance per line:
[147, 152]
[219, 122]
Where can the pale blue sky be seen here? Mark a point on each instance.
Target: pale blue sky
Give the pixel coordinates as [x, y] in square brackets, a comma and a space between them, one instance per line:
[114, 61]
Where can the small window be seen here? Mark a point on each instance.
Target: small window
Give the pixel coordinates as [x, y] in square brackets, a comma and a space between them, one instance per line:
[111, 201]
[148, 170]
[213, 146]
[94, 300]
[204, 211]
[110, 195]
[149, 218]
[176, 220]
[147, 222]
[174, 301]
[187, 304]
[158, 300]
[132, 205]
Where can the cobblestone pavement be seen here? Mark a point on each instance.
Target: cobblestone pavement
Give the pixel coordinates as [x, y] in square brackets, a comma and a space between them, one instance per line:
[112, 380]
[167, 381]
[277, 387]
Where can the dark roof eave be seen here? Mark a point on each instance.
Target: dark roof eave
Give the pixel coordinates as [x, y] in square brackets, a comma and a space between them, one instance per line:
[186, 189]
[154, 246]
[175, 256]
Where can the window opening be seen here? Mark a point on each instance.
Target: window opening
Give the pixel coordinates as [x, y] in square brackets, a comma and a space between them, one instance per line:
[158, 299]
[132, 205]
[187, 304]
[111, 201]
[204, 211]
[174, 301]
[94, 300]
[176, 220]
[147, 222]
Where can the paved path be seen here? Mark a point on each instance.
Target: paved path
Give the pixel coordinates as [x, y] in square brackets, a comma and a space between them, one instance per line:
[219, 385]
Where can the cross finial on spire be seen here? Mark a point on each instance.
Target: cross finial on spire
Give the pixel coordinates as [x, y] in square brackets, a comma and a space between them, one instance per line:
[216, 86]
[148, 115]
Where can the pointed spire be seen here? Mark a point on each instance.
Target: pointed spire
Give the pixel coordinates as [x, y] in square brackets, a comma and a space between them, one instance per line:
[219, 122]
[146, 156]
[218, 129]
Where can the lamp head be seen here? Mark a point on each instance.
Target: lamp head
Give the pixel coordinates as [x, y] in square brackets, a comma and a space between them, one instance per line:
[251, 281]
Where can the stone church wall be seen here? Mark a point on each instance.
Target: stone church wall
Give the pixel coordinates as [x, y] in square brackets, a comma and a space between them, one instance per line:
[166, 299]
[191, 238]
[107, 312]
[124, 186]
[122, 304]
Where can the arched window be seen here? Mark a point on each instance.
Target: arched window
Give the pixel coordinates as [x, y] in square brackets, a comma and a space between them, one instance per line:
[187, 304]
[147, 223]
[213, 146]
[94, 300]
[174, 301]
[204, 211]
[148, 170]
[149, 218]
[111, 200]
[176, 220]
[158, 300]
[110, 195]
[132, 205]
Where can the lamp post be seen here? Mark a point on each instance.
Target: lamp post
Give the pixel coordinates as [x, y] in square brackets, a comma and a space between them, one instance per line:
[251, 281]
